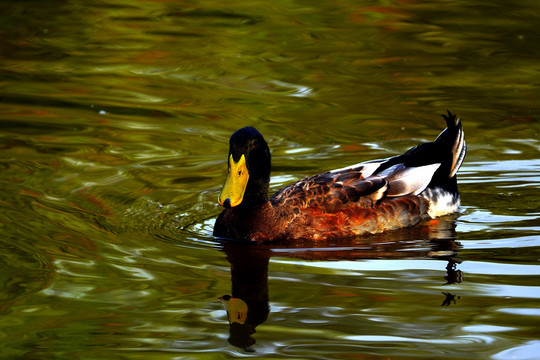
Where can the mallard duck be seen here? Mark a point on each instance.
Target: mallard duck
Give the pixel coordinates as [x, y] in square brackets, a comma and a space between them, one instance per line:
[365, 198]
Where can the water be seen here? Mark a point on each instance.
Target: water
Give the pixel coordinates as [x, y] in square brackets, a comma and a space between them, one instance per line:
[115, 117]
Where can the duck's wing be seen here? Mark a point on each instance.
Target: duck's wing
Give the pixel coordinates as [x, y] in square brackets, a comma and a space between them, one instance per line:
[331, 189]
[355, 184]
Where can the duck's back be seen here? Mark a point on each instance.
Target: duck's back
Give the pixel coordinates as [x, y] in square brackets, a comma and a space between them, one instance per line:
[347, 203]
[375, 196]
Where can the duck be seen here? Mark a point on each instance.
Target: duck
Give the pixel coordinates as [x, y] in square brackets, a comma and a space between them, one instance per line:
[366, 198]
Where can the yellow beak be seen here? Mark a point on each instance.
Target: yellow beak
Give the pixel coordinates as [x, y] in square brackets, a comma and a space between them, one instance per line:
[235, 184]
[237, 310]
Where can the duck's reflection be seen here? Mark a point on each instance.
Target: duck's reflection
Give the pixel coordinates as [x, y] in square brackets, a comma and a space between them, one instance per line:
[448, 299]
[453, 274]
[249, 276]
[248, 306]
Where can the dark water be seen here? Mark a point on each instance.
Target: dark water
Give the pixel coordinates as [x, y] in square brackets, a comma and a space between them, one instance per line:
[115, 117]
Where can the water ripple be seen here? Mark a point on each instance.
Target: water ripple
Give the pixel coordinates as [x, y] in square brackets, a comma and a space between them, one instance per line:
[457, 340]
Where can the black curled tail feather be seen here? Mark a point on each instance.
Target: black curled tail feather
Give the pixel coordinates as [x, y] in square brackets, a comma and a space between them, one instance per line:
[448, 149]
[452, 139]
[451, 119]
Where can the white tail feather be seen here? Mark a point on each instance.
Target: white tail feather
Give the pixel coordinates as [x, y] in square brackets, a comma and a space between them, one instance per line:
[410, 180]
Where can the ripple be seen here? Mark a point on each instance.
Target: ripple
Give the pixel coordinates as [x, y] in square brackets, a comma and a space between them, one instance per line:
[517, 242]
[383, 345]
[375, 265]
[521, 311]
[457, 340]
[170, 222]
[24, 272]
[487, 328]
[509, 291]
[479, 267]
[295, 90]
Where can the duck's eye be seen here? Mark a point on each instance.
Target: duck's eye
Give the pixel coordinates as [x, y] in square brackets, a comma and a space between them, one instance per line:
[254, 143]
[239, 172]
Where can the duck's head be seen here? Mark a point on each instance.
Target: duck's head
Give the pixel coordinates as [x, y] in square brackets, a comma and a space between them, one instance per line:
[249, 170]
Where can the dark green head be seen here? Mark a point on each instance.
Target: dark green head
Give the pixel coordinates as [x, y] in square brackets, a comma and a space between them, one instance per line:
[249, 169]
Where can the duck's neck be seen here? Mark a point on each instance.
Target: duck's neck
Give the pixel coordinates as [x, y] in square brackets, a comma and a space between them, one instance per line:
[256, 193]
[253, 222]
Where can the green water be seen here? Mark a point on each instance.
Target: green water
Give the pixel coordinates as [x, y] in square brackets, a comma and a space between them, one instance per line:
[114, 122]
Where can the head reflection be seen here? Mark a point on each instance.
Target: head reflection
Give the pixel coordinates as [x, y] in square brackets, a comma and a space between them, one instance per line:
[248, 306]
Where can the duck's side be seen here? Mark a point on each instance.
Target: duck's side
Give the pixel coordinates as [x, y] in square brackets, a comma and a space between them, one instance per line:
[369, 197]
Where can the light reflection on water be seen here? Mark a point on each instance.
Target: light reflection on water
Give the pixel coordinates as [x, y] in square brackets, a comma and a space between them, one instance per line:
[527, 351]
[470, 267]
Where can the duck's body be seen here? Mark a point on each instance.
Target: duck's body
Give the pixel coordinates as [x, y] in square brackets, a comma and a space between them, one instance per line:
[365, 198]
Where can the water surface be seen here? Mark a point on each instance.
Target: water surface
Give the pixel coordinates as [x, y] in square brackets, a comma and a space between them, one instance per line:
[114, 122]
